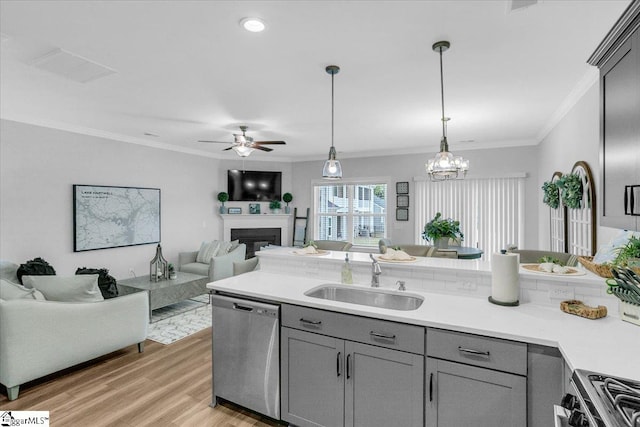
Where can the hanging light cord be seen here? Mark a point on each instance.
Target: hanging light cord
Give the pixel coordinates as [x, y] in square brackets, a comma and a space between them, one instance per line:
[332, 75]
[444, 134]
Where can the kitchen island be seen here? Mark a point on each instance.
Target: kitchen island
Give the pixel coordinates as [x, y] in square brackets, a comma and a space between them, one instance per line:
[454, 307]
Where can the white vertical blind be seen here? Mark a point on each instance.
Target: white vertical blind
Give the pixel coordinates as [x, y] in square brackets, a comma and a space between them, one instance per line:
[490, 211]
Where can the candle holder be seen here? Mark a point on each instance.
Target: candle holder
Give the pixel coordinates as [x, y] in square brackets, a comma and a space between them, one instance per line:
[158, 267]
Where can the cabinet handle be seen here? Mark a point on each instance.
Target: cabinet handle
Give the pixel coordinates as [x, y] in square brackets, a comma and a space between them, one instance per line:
[382, 335]
[311, 322]
[474, 352]
[431, 387]
[630, 199]
[348, 363]
[237, 306]
[338, 363]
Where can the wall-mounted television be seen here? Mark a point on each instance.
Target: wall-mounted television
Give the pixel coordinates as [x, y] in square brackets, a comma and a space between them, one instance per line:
[254, 186]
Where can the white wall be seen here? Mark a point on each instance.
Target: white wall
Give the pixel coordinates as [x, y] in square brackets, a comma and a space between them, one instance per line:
[494, 162]
[38, 167]
[575, 138]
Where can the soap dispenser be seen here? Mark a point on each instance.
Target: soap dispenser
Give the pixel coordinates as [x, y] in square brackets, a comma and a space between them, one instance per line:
[347, 277]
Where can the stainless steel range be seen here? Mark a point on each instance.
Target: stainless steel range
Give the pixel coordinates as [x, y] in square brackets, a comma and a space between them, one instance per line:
[603, 401]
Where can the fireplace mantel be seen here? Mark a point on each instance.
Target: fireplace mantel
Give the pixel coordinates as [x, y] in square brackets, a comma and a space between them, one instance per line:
[282, 221]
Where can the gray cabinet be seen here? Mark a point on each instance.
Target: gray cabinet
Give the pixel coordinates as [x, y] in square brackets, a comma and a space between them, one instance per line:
[475, 381]
[329, 381]
[312, 379]
[618, 58]
[468, 396]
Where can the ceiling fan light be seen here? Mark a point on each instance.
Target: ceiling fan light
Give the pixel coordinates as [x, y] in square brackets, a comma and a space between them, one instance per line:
[242, 150]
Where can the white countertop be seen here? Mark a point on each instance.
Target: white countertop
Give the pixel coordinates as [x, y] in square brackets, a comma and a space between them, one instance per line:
[609, 345]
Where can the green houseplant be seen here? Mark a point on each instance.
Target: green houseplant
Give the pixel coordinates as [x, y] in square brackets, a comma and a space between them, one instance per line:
[275, 205]
[439, 230]
[570, 190]
[628, 252]
[222, 198]
[287, 198]
[551, 194]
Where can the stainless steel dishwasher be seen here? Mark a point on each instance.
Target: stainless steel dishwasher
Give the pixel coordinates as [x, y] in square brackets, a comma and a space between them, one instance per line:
[246, 354]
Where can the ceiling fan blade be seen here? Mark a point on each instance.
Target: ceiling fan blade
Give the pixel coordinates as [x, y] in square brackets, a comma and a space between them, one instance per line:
[215, 142]
[257, 147]
[269, 142]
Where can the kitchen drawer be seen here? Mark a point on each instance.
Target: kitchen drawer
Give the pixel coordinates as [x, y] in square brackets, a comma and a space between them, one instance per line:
[492, 353]
[382, 333]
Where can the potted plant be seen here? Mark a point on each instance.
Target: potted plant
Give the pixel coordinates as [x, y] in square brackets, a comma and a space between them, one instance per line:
[551, 195]
[287, 198]
[275, 205]
[629, 254]
[222, 198]
[439, 230]
[172, 271]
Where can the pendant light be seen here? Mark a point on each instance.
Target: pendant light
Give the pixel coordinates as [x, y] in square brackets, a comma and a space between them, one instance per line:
[444, 165]
[332, 168]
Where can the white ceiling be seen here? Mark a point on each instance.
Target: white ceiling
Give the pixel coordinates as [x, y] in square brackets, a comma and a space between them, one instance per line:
[186, 71]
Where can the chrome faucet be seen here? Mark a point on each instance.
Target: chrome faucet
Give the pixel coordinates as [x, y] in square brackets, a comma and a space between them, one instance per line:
[376, 271]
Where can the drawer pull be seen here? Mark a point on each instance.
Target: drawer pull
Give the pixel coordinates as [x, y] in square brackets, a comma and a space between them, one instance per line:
[632, 316]
[473, 352]
[311, 322]
[383, 336]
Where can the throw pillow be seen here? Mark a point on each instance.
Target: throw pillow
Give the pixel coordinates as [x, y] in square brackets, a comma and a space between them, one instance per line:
[9, 291]
[8, 271]
[224, 248]
[207, 251]
[82, 288]
[234, 245]
[106, 283]
[35, 267]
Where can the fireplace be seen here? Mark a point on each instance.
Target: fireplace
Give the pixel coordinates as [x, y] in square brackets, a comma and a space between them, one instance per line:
[255, 238]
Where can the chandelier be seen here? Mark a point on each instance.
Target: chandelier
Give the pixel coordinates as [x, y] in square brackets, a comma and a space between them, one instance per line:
[444, 165]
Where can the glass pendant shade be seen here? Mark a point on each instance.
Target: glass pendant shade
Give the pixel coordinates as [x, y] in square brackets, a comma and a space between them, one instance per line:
[242, 150]
[332, 168]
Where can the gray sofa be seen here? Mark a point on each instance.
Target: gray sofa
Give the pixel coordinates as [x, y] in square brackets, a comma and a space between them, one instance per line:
[38, 338]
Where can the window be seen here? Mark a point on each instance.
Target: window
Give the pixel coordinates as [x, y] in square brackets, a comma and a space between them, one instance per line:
[490, 211]
[354, 212]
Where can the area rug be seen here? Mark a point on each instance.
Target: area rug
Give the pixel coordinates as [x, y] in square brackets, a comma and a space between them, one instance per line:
[174, 322]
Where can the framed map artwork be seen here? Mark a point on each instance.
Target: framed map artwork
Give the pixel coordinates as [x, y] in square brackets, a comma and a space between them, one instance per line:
[112, 217]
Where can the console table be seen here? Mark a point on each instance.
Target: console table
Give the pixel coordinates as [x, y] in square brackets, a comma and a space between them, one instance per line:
[166, 292]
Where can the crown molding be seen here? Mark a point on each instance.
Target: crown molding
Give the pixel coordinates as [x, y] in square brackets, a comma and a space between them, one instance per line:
[624, 27]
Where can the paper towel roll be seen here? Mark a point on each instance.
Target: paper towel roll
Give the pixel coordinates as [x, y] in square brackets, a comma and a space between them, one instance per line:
[505, 283]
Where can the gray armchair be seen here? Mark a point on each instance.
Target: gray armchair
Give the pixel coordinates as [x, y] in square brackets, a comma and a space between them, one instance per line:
[413, 250]
[532, 256]
[332, 245]
[219, 267]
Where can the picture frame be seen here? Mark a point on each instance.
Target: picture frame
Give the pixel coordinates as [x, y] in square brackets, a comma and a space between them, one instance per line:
[402, 187]
[234, 211]
[402, 200]
[254, 208]
[402, 214]
[107, 217]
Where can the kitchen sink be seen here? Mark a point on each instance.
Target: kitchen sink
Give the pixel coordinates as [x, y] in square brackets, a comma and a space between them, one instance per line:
[375, 298]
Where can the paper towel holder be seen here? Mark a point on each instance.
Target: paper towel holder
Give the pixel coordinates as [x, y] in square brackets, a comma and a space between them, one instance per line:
[506, 304]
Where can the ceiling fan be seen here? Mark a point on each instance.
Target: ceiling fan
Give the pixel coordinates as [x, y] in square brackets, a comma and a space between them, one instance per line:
[244, 145]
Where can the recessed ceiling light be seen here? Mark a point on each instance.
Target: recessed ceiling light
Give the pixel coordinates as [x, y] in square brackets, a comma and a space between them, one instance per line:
[255, 25]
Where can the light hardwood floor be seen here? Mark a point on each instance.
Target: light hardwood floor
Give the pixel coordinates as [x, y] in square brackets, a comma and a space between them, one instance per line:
[167, 385]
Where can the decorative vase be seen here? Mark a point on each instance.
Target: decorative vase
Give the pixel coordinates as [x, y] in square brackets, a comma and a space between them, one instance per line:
[223, 210]
[275, 211]
[442, 243]
[287, 210]
[173, 275]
